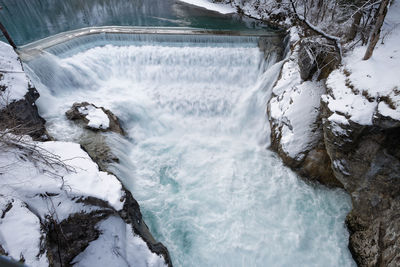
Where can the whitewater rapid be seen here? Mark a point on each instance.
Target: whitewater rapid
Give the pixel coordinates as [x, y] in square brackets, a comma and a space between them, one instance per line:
[197, 157]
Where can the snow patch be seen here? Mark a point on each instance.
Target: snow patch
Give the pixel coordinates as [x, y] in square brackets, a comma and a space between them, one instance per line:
[359, 88]
[386, 111]
[221, 8]
[87, 179]
[34, 189]
[338, 119]
[343, 99]
[20, 232]
[96, 117]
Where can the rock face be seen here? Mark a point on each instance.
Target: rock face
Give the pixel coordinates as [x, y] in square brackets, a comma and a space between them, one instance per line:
[23, 118]
[366, 160]
[94, 118]
[95, 145]
[351, 141]
[65, 240]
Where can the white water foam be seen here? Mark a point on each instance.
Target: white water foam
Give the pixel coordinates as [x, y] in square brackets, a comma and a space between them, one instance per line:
[197, 158]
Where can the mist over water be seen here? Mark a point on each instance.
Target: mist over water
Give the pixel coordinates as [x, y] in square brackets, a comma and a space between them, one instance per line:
[197, 157]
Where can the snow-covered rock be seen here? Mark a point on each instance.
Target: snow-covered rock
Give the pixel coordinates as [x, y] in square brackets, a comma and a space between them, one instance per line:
[294, 110]
[55, 187]
[363, 90]
[94, 118]
[20, 232]
[14, 83]
[294, 114]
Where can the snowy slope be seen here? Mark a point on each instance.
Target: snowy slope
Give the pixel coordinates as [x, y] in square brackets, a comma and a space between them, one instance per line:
[33, 187]
[365, 89]
[96, 117]
[221, 8]
[13, 81]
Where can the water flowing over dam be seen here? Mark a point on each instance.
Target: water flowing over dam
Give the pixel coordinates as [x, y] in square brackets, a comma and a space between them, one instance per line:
[197, 159]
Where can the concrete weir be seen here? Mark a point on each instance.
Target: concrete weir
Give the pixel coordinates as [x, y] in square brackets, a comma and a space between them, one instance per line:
[32, 50]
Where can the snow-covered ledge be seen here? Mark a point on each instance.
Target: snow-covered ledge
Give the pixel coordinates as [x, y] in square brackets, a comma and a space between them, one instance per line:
[51, 185]
[57, 207]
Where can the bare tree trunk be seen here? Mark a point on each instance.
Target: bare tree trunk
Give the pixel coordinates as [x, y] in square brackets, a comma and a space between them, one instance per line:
[354, 26]
[334, 10]
[377, 29]
[8, 37]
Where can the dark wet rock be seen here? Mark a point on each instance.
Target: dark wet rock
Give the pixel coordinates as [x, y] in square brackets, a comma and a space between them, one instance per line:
[307, 62]
[316, 166]
[271, 45]
[2, 251]
[313, 165]
[75, 114]
[22, 117]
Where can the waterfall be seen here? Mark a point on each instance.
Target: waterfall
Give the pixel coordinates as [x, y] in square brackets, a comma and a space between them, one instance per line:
[197, 157]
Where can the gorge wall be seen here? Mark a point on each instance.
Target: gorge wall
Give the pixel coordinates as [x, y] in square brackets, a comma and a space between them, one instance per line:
[330, 131]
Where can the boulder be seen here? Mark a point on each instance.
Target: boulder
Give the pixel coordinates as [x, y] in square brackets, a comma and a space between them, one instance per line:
[95, 118]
